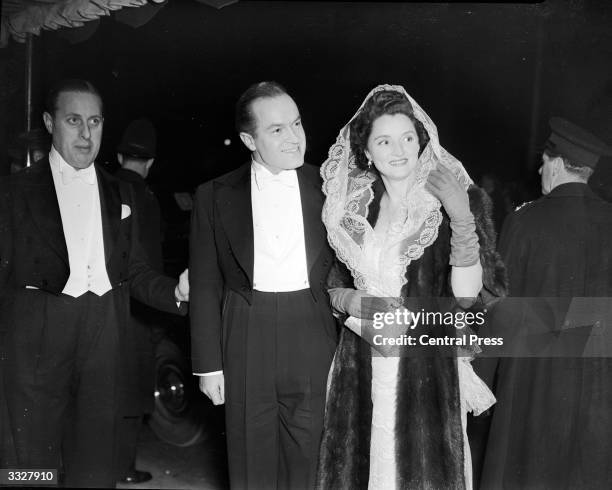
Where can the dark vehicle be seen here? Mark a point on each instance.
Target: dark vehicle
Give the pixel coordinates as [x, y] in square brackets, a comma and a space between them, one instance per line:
[182, 416]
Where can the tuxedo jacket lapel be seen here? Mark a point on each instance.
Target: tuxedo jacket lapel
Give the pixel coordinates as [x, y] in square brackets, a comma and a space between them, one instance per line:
[233, 201]
[42, 200]
[110, 207]
[314, 230]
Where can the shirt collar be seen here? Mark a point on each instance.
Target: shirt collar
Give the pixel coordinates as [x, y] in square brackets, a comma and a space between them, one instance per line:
[69, 173]
[263, 177]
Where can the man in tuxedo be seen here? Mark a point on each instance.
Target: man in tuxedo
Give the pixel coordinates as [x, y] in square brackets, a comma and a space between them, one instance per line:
[70, 258]
[262, 331]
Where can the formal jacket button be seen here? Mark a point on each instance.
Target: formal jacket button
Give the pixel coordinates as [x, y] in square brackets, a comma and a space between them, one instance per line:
[124, 255]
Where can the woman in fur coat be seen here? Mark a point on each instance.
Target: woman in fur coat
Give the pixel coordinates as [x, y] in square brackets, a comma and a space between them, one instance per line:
[406, 221]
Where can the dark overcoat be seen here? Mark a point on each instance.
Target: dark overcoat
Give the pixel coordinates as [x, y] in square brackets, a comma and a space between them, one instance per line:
[552, 424]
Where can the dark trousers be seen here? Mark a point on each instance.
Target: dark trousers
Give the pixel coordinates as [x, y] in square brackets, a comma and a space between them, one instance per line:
[62, 360]
[8, 458]
[128, 430]
[277, 356]
[140, 399]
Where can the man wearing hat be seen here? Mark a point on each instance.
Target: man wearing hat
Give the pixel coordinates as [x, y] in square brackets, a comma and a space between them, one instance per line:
[136, 154]
[552, 424]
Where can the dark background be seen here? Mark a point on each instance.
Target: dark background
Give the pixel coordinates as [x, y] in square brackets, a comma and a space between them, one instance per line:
[489, 75]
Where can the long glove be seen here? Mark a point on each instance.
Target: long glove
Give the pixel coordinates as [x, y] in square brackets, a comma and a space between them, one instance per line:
[443, 184]
[361, 306]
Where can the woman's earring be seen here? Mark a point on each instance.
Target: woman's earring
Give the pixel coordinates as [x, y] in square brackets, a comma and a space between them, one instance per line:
[369, 163]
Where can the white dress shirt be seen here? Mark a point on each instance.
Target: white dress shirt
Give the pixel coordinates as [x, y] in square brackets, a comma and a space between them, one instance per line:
[79, 204]
[278, 233]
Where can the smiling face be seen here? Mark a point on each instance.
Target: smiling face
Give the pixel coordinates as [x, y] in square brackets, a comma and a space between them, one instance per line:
[76, 127]
[393, 146]
[279, 141]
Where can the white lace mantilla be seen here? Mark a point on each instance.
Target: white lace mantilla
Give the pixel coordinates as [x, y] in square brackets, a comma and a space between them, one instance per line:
[349, 192]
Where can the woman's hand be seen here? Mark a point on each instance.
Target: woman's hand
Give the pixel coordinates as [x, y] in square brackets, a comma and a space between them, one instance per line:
[443, 184]
[360, 304]
[384, 333]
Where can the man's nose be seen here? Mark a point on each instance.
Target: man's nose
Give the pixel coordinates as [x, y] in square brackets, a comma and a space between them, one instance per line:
[85, 131]
[292, 135]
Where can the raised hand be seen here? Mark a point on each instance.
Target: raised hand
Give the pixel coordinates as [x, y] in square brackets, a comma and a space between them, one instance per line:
[443, 184]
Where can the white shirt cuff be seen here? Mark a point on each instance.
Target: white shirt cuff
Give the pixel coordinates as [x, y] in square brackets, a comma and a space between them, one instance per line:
[213, 373]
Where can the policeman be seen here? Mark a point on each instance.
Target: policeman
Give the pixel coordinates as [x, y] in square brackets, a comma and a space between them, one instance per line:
[552, 425]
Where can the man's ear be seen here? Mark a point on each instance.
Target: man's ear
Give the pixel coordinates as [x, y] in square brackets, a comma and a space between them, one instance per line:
[48, 120]
[120, 158]
[248, 140]
[557, 166]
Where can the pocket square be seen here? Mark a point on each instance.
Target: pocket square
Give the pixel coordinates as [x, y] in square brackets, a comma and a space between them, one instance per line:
[125, 211]
[31, 287]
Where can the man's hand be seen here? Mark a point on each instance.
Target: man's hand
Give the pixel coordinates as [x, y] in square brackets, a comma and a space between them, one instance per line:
[214, 388]
[181, 292]
[360, 304]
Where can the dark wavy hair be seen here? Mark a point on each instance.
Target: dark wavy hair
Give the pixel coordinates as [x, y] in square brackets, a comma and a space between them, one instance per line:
[381, 103]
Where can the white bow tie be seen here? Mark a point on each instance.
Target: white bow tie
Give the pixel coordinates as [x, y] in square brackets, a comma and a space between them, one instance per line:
[286, 178]
[69, 174]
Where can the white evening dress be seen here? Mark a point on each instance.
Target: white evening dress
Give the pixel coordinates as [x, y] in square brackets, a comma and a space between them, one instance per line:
[474, 394]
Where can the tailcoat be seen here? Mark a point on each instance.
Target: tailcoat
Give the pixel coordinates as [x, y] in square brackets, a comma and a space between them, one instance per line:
[65, 360]
[243, 332]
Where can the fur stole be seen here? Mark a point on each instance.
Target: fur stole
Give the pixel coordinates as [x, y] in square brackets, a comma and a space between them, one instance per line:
[429, 437]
